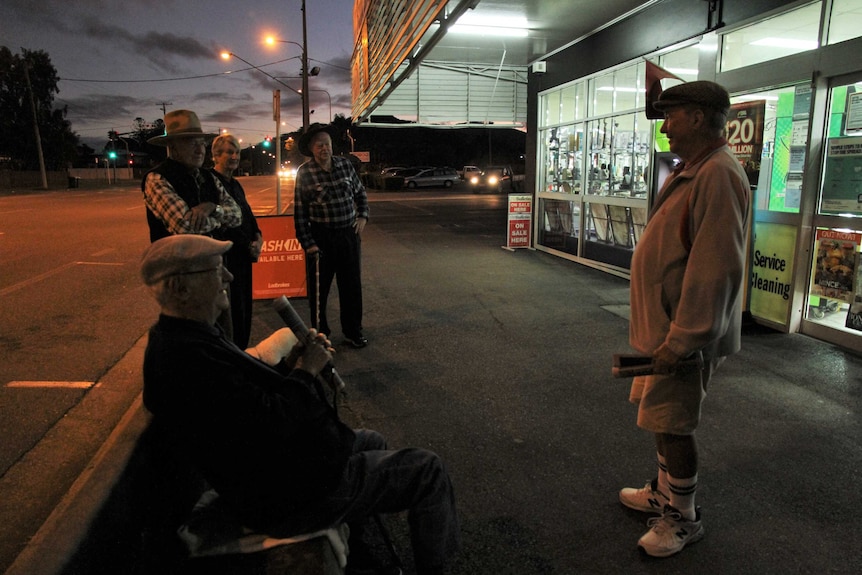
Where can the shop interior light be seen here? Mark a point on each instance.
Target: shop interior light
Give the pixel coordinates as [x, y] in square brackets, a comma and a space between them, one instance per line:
[786, 43]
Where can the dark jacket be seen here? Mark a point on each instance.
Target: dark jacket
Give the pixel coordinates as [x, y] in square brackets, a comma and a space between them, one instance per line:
[187, 188]
[266, 440]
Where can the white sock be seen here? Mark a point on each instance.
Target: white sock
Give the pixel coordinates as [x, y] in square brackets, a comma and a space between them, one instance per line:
[682, 495]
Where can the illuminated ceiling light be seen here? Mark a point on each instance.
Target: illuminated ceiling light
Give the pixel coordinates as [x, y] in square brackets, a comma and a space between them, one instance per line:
[620, 89]
[755, 97]
[786, 43]
[683, 71]
[476, 30]
[511, 26]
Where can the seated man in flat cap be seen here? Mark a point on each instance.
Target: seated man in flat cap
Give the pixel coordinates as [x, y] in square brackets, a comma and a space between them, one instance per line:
[257, 424]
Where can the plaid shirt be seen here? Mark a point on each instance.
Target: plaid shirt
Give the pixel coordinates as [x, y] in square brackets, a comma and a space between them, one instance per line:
[334, 199]
[163, 200]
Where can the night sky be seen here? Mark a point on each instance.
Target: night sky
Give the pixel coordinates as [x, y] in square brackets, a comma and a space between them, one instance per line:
[118, 61]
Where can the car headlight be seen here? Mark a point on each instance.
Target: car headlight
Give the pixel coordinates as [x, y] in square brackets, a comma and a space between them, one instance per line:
[474, 180]
[492, 180]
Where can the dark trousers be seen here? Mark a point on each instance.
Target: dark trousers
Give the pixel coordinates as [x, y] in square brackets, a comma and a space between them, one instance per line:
[378, 480]
[340, 258]
[241, 297]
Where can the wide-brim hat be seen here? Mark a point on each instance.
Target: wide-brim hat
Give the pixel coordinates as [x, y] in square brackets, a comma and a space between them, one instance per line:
[180, 124]
[179, 254]
[699, 93]
[313, 130]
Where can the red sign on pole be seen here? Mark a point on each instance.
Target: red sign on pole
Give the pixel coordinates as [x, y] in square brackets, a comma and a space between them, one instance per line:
[280, 270]
[520, 219]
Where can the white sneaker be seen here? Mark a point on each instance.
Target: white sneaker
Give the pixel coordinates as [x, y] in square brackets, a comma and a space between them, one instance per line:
[648, 498]
[669, 533]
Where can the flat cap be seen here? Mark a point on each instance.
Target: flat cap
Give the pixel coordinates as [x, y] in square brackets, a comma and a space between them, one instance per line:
[699, 93]
[179, 254]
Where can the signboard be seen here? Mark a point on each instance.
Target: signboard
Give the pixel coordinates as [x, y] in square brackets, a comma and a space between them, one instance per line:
[364, 157]
[772, 271]
[842, 185]
[280, 270]
[520, 221]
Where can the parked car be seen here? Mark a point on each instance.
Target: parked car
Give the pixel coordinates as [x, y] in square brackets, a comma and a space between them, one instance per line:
[468, 171]
[391, 171]
[497, 179]
[432, 178]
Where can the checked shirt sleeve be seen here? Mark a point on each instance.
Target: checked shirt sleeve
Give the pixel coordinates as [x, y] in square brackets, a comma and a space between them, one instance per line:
[166, 204]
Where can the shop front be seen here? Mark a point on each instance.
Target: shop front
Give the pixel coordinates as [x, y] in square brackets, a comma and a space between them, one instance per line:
[794, 71]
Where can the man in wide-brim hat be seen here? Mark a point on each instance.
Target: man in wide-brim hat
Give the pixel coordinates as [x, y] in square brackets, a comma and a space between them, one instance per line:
[180, 197]
[309, 134]
[330, 212]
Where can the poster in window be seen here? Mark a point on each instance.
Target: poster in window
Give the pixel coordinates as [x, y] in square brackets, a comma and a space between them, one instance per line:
[835, 264]
[854, 314]
[745, 135]
[854, 112]
[842, 183]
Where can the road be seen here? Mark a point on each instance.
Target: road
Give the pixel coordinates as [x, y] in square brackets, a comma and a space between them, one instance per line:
[71, 300]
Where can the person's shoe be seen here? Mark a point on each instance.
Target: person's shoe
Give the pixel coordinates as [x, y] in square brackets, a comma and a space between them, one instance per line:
[669, 533]
[648, 498]
[357, 342]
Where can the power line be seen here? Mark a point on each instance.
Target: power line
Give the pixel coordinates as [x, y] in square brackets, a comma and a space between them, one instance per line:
[174, 79]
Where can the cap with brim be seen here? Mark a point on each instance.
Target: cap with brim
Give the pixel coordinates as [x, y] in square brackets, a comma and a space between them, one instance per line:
[699, 93]
[179, 254]
[180, 124]
[305, 139]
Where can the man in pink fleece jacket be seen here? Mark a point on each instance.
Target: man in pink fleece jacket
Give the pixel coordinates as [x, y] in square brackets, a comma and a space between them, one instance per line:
[686, 302]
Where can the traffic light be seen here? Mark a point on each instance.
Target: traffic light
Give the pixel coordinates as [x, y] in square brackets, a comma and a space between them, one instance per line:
[112, 154]
[267, 142]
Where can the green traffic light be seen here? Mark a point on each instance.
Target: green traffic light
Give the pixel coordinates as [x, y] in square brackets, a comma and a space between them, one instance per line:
[112, 155]
[266, 143]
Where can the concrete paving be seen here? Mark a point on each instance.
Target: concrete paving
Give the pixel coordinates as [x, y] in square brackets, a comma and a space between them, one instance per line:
[501, 362]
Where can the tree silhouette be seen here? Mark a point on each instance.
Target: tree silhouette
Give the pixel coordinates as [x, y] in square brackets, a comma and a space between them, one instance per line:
[18, 148]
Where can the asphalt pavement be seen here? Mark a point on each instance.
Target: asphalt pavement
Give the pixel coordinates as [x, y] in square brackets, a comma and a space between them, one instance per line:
[500, 361]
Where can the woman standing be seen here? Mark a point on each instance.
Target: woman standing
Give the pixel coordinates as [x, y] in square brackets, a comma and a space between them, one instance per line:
[246, 238]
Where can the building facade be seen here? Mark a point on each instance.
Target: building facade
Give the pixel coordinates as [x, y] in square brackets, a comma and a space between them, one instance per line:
[794, 71]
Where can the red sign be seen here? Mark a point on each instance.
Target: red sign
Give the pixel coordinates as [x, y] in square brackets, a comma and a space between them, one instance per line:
[520, 219]
[280, 270]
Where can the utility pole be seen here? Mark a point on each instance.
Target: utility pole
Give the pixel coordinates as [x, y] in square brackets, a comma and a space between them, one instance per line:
[305, 94]
[36, 126]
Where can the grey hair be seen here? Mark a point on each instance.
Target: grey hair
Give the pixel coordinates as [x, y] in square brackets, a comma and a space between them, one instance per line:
[220, 141]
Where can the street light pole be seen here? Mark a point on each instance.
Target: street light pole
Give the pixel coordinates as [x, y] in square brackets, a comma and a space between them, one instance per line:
[329, 96]
[305, 114]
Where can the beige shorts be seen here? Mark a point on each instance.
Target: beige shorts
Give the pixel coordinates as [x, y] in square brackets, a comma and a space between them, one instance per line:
[671, 403]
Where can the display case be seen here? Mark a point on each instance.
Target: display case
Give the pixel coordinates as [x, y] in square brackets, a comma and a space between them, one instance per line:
[564, 159]
[619, 157]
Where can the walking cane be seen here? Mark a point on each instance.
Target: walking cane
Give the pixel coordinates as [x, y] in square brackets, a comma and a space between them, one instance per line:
[317, 289]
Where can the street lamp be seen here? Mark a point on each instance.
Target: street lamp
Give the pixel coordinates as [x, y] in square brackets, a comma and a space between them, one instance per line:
[305, 72]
